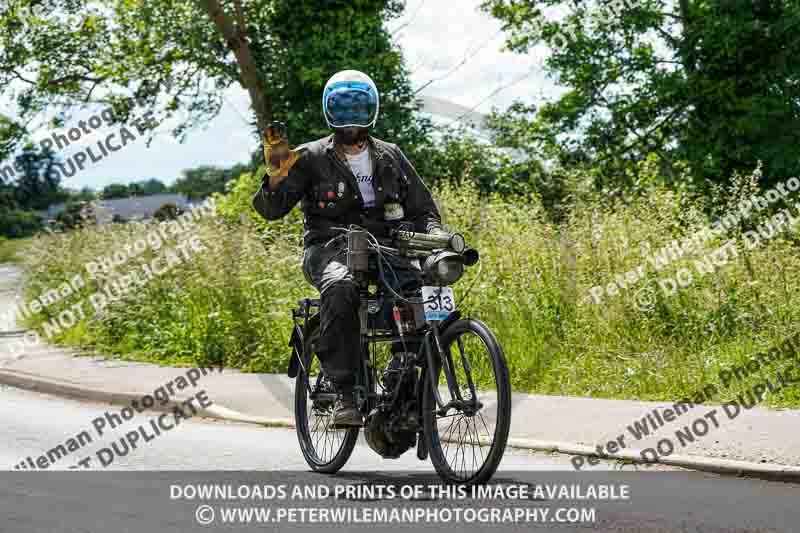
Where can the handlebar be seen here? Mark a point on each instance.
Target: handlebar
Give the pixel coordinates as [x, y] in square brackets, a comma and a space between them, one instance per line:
[435, 249]
[452, 241]
[405, 243]
[397, 235]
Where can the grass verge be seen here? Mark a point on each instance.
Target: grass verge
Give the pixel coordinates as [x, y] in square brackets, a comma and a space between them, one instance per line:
[632, 338]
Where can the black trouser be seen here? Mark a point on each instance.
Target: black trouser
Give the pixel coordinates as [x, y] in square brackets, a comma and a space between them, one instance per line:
[340, 338]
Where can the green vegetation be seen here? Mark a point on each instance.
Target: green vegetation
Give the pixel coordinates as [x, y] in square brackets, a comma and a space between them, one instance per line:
[204, 181]
[167, 212]
[9, 250]
[663, 106]
[231, 306]
[708, 85]
[25, 187]
[17, 223]
[150, 56]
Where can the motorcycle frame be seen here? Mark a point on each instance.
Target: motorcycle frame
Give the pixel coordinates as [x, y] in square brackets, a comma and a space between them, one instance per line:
[367, 397]
[429, 337]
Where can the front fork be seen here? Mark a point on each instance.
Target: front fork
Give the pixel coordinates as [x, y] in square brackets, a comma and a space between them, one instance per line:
[433, 351]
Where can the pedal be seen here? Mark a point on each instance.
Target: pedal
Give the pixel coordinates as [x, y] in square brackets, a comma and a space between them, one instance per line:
[422, 447]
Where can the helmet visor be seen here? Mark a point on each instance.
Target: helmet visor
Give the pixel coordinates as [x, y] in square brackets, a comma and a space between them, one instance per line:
[351, 104]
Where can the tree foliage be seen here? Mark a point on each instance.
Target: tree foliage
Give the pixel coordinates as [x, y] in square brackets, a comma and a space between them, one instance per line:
[315, 39]
[176, 58]
[148, 187]
[28, 183]
[457, 157]
[115, 191]
[709, 84]
[204, 181]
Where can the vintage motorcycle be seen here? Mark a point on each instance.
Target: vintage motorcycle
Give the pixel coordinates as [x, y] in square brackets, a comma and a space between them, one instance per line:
[428, 378]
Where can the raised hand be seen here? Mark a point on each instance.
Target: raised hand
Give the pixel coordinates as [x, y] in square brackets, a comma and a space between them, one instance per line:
[279, 158]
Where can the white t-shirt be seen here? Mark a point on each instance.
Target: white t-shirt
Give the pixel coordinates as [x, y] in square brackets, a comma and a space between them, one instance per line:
[361, 166]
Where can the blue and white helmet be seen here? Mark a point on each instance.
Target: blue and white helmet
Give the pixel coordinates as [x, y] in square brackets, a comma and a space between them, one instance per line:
[350, 99]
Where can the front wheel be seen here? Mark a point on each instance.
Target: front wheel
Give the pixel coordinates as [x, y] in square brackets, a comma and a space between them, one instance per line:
[467, 440]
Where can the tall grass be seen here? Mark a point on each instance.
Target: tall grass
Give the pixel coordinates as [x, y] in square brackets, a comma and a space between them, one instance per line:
[9, 250]
[231, 304]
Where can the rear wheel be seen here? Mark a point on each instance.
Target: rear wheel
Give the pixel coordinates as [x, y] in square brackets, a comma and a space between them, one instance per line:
[466, 441]
[325, 449]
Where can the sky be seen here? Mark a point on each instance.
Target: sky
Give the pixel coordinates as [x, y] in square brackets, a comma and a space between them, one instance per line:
[452, 43]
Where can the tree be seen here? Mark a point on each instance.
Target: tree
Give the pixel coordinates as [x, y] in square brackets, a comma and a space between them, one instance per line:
[311, 40]
[17, 223]
[115, 190]
[164, 57]
[151, 187]
[28, 182]
[86, 194]
[37, 186]
[457, 157]
[12, 134]
[712, 84]
[206, 180]
[75, 215]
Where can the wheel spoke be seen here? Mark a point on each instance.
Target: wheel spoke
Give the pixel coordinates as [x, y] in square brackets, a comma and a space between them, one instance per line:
[325, 441]
[475, 377]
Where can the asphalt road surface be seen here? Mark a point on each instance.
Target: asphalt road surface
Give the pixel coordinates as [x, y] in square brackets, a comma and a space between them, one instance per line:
[34, 423]
[129, 496]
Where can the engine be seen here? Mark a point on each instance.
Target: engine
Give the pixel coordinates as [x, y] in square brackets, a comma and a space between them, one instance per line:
[389, 432]
[383, 436]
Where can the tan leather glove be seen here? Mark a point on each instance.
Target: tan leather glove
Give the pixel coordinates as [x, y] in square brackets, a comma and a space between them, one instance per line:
[279, 158]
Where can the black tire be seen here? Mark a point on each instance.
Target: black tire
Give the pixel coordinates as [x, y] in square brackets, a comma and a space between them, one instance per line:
[343, 440]
[439, 444]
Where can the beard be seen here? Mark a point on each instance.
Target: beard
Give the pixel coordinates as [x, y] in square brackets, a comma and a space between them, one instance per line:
[351, 136]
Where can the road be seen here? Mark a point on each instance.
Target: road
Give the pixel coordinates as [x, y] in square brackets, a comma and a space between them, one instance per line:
[133, 498]
[34, 423]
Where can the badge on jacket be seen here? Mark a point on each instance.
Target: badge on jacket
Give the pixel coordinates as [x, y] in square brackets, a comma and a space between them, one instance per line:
[393, 211]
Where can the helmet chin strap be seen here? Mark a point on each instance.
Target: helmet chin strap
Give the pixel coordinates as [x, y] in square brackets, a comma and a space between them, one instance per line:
[357, 142]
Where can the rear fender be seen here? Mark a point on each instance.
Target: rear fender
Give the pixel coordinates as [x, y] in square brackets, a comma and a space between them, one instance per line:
[297, 344]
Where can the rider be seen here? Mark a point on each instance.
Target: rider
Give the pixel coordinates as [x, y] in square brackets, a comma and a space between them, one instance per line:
[342, 179]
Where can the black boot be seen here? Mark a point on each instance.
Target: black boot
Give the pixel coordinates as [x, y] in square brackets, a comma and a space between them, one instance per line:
[346, 413]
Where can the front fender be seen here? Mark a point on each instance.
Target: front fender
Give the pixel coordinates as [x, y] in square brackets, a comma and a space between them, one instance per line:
[451, 319]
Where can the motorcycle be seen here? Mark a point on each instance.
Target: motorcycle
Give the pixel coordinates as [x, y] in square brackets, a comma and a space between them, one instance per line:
[442, 387]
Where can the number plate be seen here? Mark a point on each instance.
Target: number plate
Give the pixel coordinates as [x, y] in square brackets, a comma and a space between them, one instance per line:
[441, 302]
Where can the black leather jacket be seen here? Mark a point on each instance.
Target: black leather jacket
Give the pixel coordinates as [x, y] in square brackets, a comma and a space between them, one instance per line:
[331, 197]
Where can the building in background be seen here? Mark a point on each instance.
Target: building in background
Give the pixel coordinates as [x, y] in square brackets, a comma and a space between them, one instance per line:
[127, 209]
